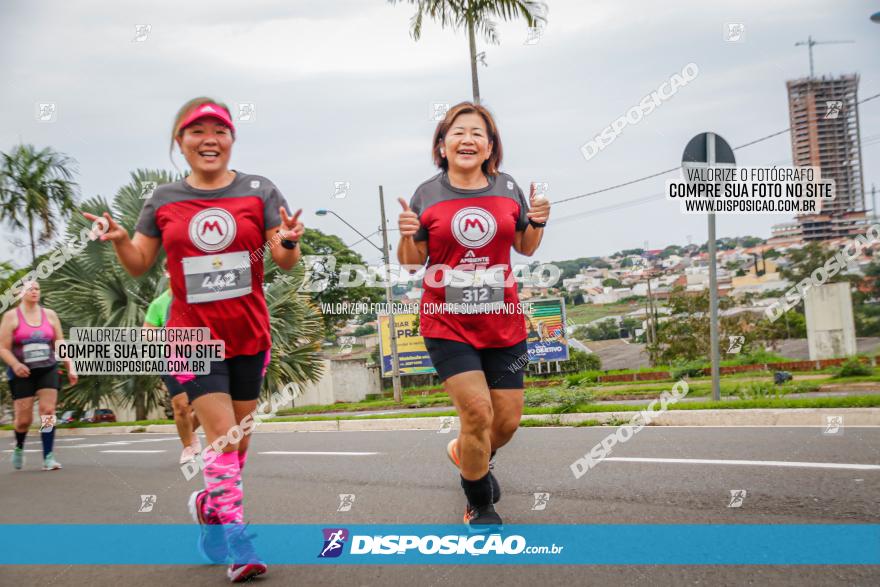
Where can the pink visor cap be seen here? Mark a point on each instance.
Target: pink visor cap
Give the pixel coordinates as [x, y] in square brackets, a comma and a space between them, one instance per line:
[212, 110]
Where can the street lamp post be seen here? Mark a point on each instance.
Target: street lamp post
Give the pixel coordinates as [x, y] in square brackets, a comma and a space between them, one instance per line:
[395, 361]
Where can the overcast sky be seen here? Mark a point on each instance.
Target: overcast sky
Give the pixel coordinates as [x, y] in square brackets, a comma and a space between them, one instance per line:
[342, 93]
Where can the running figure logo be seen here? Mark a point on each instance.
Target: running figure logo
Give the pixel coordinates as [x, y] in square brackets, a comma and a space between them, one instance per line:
[346, 500]
[833, 108]
[141, 32]
[334, 540]
[735, 344]
[438, 111]
[147, 503]
[341, 189]
[445, 425]
[147, 189]
[47, 423]
[541, 501]
[737, 496]
[734, 32]
[46, 112]
[833, 425]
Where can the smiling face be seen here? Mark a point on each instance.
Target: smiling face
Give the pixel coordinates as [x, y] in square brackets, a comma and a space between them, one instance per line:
[466, 144]
[207, 145]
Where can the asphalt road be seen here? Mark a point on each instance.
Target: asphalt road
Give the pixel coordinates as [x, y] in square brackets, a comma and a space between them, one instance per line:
[407, 479]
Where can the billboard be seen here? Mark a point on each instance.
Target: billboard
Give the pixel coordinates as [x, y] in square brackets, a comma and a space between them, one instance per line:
[545, 322]
[411, 351]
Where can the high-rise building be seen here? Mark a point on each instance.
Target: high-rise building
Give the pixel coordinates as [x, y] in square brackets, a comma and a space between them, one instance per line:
[825, 133]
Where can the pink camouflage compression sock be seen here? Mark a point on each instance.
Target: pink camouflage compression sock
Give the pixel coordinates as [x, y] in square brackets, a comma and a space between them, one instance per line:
[223, 483]
[242, 459]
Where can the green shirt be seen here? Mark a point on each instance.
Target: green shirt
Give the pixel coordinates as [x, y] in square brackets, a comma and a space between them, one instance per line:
[157, 313]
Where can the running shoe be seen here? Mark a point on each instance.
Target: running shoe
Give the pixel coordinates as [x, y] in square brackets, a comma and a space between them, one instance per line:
[452, 453]
[482, 519]
[195, 444]
[245, 562]
[49, 462]
[188, 455]
[18, 458]
[212, 540]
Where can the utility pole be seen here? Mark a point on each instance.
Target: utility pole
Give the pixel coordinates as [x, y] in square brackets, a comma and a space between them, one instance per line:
[389, 302]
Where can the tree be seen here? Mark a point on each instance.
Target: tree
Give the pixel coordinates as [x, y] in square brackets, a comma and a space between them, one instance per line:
[610, 282]
[476, 17]
[315, 242]
[802, 262]
[93, 290]
[36, 191]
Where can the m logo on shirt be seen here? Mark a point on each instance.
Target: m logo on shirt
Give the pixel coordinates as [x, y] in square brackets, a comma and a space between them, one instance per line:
[473, 227]
[212, 229]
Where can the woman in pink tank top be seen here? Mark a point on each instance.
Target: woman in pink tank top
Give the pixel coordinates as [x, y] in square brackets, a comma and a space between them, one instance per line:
[27, 345]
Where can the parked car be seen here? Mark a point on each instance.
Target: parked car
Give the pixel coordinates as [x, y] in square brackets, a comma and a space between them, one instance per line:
[68, 417]
[99, 415]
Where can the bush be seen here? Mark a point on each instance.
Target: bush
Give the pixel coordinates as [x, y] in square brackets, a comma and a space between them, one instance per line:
[584, 377]
[581, 361]
[563, 400]
[689, 369]
[853, 367]
[761, 390]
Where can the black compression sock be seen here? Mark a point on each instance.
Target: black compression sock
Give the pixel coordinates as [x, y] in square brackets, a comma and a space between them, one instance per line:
[19, 438]
[48, 440]
[479, 492]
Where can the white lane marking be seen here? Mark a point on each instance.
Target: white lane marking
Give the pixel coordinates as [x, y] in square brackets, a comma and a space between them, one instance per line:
[28, 450]
[795, 464]
[120, 442]
[319, 453]
[134, 451]
[64, 439]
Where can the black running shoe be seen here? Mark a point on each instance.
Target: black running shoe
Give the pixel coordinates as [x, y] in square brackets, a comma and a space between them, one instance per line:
[482, 519]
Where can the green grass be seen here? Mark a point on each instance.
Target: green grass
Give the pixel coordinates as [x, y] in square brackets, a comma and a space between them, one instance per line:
[584, 313]
[856, 401]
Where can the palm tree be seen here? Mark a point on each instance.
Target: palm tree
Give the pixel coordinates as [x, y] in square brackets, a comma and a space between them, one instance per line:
[475, 16]
[35, 186]
[92, 290]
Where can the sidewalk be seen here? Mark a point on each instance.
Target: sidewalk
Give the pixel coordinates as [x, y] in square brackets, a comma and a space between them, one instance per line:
[793, 417]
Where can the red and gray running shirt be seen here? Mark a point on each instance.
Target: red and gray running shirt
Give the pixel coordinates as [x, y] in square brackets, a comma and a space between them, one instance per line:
[214, 242]
[470, 234]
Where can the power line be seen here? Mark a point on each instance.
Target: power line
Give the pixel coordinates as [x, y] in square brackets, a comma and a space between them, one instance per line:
[677, 167]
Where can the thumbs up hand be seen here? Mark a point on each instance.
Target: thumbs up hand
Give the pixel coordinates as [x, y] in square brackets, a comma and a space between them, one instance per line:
[539, 206]
[408, 221]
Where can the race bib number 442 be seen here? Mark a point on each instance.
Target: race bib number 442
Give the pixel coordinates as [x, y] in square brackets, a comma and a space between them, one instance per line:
[210, 278]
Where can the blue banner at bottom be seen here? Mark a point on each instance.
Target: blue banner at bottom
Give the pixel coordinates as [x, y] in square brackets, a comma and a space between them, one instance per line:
[612, 544]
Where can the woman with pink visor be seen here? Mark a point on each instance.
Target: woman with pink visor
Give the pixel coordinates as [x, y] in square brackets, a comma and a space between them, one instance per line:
[213, 226]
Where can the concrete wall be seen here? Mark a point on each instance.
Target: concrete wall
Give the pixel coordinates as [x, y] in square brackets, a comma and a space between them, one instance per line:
[831, 331]
[343, 381]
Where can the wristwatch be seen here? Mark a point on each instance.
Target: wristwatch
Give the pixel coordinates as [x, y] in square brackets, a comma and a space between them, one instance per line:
[289, 244]
[537, 224]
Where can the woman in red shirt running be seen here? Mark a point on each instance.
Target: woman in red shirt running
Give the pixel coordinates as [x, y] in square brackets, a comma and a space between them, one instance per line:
[466, 219]
[213, 226]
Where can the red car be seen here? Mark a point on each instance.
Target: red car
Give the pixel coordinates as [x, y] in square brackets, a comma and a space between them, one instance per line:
[99, 415]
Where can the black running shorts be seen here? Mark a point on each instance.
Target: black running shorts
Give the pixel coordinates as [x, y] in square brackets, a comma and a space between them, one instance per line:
[40, 378]
[503, 367]
[241, 377]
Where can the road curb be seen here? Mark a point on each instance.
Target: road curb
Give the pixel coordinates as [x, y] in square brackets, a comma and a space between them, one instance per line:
[794, 417]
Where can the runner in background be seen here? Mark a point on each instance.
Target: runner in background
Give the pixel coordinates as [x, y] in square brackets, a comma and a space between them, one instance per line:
[184, 417]
[27, 345]
[465, 220]
[214, 225]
